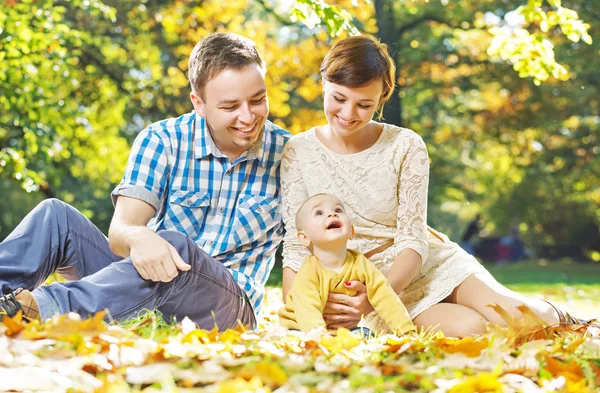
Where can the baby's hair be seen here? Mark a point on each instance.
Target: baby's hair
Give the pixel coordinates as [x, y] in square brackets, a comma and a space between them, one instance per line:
[298, 220]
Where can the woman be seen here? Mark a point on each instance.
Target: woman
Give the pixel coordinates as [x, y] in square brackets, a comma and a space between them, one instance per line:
[381, 173]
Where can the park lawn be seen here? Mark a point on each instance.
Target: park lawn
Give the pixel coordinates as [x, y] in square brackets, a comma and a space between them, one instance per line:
[575, 286]
[66, 354]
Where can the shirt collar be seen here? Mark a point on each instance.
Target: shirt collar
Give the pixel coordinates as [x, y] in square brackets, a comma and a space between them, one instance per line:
[205, 145]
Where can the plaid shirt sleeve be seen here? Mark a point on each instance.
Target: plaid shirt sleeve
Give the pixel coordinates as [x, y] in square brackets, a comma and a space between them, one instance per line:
[147, 172]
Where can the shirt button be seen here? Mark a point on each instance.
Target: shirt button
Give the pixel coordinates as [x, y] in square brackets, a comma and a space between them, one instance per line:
[222, 210]
[228, 173]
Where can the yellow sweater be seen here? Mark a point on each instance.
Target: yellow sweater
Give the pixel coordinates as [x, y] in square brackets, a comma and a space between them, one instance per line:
[306, 300]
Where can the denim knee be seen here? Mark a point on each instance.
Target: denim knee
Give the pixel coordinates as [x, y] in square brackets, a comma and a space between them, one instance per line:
[176, 239]
[51, 204]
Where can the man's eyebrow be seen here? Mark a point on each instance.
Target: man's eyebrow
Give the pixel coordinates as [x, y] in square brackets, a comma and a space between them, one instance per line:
[258, 93]
[364, 99]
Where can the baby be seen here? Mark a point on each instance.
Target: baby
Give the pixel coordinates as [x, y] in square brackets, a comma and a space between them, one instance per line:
[324, 227]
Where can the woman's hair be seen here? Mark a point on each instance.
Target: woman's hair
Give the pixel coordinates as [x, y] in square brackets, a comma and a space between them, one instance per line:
[357, 61]
[217, 52]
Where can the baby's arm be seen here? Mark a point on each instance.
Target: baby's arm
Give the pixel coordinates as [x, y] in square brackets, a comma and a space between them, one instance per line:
[384, 300]
[306, 298]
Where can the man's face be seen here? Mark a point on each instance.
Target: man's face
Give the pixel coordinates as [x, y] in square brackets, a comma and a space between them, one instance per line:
[324, 222]
[235, 107]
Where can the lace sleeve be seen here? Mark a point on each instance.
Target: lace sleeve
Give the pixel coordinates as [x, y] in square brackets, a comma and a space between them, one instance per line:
[294, 194]
[413, 182]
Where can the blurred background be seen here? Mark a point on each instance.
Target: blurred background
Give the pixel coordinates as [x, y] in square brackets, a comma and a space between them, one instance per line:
[506, 99]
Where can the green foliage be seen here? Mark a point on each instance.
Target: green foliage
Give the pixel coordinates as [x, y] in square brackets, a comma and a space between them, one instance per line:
[79, 79]
[54, 101]
[532, 54]
[316, 12]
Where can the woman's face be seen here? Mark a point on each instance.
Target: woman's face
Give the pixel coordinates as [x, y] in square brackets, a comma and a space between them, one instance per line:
[349, 109]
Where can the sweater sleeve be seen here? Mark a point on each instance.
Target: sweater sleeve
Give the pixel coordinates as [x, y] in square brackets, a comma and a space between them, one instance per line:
[294, 193]
[306, 298]
[384, 300]
[411, 221]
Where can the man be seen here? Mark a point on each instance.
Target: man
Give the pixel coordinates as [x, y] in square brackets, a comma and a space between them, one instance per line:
[197, 214]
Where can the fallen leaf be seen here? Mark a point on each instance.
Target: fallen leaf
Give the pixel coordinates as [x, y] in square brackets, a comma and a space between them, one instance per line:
[14, 325]
[469, 346]
[569, 369]
[480, 383]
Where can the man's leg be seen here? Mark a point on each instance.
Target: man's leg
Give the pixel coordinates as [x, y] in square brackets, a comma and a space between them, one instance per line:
[205, 290]
[54, 236]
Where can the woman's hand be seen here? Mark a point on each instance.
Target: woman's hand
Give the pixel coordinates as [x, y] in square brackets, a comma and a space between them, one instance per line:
[343, 311]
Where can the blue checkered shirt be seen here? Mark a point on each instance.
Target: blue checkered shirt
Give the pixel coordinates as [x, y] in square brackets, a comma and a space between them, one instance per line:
[231, 210]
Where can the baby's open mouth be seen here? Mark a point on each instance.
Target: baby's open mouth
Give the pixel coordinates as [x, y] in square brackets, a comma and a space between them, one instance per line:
[334, 224]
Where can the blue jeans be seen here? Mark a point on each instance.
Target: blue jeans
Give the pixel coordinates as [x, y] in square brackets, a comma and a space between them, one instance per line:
[56, 237]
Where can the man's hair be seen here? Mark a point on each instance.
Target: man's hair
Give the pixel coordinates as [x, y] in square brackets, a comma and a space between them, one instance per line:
[357, 61]
[217, 52]
[298, 213]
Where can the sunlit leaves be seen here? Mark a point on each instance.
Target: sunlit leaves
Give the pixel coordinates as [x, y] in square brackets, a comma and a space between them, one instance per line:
[532, 53]
[47, 117]
[315, 12]
[68, 352]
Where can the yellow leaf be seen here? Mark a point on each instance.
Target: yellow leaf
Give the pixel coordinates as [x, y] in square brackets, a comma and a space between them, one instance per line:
[343, 340]
[469, 346]
[13, 324]
[269, 373]
[241, 385]
[196, 336]
[480, 383]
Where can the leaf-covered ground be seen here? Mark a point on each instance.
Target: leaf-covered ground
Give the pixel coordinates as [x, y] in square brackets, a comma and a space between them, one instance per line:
[67, 354]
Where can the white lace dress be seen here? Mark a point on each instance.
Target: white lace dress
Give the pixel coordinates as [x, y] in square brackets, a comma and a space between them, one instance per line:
[384, 189]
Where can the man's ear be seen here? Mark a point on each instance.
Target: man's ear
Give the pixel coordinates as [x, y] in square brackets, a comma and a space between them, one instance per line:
[198, 103]
[304, 240]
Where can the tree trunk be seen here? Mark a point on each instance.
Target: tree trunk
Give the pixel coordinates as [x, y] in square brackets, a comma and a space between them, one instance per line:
[388, 33]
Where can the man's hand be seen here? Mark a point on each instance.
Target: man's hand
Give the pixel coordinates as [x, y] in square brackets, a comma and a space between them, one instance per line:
[343, 311]
[154, 258]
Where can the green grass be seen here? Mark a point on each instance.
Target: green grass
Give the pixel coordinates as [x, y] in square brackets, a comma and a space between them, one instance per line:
[528, 274]
[569, 284]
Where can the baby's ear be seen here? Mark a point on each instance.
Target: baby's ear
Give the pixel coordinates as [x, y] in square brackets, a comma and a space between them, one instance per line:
[352, 232]
[304, 240]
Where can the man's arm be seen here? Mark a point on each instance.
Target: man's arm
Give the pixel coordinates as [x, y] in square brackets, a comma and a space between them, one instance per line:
[152, 256]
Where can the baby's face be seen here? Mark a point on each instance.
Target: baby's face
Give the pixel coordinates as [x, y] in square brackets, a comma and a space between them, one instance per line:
[324, 219]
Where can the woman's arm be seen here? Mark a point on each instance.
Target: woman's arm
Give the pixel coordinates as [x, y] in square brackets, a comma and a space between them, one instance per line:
[411, 219]
[294, 193]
